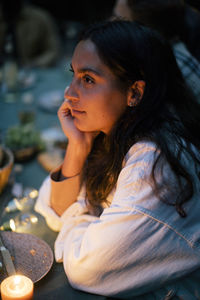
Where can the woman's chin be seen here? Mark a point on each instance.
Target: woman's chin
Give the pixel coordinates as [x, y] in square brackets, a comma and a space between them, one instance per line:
[83, 127]
[80, 126]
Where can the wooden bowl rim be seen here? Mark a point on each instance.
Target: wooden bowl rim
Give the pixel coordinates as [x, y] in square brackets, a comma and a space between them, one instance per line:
[10, 156]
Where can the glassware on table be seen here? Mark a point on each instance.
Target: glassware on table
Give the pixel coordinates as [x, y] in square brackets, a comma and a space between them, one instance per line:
[29, 222]
[24, 203]
[24, 222]
[20, 223]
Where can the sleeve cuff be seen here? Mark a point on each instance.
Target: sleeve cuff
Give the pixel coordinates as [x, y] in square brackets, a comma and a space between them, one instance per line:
[43, 207]
[57, 175]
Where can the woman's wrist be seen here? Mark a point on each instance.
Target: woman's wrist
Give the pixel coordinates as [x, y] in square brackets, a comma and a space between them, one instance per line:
[57, 175]
[74, 161]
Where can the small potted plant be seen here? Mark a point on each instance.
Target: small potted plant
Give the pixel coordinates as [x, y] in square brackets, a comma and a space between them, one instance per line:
[24, 141]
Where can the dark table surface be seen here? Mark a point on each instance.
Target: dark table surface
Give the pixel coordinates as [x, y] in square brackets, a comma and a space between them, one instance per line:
[55, 284]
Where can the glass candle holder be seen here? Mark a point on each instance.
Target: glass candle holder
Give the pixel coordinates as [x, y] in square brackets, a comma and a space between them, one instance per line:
[17, 287]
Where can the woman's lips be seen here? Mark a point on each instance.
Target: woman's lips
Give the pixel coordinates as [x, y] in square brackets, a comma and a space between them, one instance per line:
[75, 112]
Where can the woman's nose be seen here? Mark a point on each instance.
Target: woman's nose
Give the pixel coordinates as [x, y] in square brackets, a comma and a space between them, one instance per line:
[70, 93]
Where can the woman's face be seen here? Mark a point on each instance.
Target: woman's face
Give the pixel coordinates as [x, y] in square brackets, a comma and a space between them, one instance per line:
[95, 99]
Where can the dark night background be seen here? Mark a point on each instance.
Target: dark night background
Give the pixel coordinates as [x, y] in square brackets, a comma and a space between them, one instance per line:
[83, 12]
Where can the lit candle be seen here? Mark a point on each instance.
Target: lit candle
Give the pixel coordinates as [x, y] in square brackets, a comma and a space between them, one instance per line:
[17, 287]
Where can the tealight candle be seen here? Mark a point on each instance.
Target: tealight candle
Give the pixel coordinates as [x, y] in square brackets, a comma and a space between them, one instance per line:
[17, 287]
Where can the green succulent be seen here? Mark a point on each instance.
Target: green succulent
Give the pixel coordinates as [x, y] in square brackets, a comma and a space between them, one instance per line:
[23, 136]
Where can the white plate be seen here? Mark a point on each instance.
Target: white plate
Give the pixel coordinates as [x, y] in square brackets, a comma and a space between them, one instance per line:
[26, 79]
[31, 255]
[52, 135]
[51, 101]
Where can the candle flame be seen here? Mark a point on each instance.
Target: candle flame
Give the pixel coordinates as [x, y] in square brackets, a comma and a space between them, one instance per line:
[17, 287]
[17, 279]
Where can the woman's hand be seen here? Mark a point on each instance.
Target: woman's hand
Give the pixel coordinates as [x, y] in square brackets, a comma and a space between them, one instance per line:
[79, 142]
[74, 135]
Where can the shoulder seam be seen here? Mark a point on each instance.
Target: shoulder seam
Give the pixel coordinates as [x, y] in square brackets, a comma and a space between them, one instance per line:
[191, 243]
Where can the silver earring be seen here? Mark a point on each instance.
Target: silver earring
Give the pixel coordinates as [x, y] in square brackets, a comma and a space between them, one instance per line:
[131, 104]
[136, 101]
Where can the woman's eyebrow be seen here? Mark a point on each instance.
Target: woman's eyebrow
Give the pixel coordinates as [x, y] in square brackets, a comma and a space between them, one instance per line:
[88, 70]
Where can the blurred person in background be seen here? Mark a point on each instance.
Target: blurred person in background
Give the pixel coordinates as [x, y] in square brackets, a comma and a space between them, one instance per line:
[72, 16]
[191, 32]
[31, 33]
[169, 18]
[194, 3]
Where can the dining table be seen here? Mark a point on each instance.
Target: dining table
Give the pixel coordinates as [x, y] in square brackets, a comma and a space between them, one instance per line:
[34, 98]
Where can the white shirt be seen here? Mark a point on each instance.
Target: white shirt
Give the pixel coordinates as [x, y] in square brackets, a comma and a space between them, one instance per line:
[138, 246]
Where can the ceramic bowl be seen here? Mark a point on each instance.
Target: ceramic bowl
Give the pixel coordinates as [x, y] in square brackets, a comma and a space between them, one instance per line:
[5, 167]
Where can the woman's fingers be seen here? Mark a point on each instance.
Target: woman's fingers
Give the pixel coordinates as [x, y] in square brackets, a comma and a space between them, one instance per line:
[64, 110]
[65, 92]
[70, 130]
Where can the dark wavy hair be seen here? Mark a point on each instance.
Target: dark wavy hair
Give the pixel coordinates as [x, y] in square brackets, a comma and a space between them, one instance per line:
[167, 113]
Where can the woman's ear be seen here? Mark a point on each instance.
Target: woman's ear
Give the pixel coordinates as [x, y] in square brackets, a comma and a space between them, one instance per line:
[136, 93]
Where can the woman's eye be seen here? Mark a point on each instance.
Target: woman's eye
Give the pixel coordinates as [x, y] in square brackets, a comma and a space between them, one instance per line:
[88, 79]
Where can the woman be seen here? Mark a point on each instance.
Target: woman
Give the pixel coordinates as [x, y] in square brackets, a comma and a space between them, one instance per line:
[126, 198]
